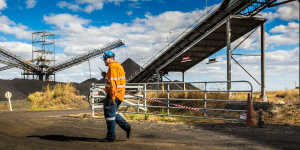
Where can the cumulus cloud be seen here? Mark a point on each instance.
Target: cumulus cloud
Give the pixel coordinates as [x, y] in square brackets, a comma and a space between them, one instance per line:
[8, 26]
[149, 35]
[2, 4]
[281, 35]
[65, 21]
[284, 34]
[30, 3]
[143, 35]
[18, 48]
[287, 12]
[279, 64]
[87, 6]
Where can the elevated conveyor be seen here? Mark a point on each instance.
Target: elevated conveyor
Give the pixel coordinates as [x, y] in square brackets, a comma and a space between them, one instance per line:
[206, 38]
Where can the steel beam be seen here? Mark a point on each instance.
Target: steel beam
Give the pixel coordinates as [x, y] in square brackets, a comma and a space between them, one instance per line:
[17, 60]
[6, 68]
[7, 62]
[228, 41]
[263, 65]
[82, 58]
[192, 44]
[183, 73]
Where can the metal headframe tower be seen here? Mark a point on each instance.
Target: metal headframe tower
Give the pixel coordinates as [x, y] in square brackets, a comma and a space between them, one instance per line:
[43, 52]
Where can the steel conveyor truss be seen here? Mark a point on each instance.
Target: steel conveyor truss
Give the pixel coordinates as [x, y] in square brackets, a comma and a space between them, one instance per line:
[11, 61]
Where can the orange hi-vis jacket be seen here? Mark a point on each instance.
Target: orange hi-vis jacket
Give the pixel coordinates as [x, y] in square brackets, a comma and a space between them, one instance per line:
[115, 81]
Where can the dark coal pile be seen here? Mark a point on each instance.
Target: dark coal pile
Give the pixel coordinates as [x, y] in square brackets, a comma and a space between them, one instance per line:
[130, 67]
[84, 86]
[21, 88]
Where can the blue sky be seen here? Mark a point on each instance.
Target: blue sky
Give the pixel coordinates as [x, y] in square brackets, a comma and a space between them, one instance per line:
[146, 26]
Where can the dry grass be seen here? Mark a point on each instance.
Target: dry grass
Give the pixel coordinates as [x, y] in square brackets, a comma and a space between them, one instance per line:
[59, 96]
[286, 109]
[284, 97]
[16, 105]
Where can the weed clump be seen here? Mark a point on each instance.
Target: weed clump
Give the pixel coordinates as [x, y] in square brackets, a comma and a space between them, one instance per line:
[59, 96]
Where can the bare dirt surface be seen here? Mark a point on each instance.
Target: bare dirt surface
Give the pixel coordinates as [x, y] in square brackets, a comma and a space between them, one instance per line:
[59, 130]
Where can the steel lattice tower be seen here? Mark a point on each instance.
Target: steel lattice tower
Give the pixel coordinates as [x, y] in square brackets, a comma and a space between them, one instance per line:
[43, 52]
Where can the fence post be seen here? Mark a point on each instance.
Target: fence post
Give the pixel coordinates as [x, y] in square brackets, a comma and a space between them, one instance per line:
[138, 105]
[145, 97]
[168, 99]
[93, 105]
[92, 91]
[205, 97]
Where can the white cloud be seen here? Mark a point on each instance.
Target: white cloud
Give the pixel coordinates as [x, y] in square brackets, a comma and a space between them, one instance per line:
[64, 4]
[144, 36]
[64, 21]
[288, 11]
[292, 27]
[3, 4]
[10, 27]
[284, 35]
[281, 35]
[18, 48]
[281, 69]
[141, 36]
[87, 6]
[30, 3]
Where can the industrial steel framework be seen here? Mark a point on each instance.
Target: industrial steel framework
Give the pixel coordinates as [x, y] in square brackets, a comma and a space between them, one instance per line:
[43, 52]
[231, 20]
[44, 70]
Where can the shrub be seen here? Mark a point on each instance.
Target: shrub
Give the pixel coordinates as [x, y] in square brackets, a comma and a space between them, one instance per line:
[59, 96]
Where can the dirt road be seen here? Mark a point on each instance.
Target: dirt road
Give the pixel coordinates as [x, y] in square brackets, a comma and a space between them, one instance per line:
[57, 130]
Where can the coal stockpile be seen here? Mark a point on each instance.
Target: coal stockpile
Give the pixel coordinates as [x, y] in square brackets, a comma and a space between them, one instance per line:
[21, 88]
[84, 87]
[130, 67]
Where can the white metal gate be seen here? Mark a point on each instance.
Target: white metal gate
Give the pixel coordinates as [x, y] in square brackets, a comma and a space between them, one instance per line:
[207, 100]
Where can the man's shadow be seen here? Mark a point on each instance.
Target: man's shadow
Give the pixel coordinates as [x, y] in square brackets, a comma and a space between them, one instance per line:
[63, 138]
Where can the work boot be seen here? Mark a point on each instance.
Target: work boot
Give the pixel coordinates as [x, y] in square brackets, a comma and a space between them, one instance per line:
[128, 132]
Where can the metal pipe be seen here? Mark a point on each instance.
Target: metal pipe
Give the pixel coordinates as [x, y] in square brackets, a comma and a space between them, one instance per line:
[228, 41]
[245, 70]
[246, 54]
[145, 97]
[158, 79]
[263, 65]
[183, 80]
[205, 97]
[168, 99]
[299, 65]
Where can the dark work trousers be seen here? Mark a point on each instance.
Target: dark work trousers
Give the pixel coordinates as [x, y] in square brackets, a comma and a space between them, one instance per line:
[112, 117]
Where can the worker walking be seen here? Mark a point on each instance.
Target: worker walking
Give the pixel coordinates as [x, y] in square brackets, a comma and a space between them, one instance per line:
[115, 82]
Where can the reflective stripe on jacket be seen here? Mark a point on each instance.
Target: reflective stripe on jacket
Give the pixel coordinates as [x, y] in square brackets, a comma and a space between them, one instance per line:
[115, 81]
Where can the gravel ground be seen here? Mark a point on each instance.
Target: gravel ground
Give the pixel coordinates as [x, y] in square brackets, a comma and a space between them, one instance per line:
[55, 130]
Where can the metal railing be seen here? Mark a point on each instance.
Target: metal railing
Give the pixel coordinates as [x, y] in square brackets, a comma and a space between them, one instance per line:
[205, 100]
